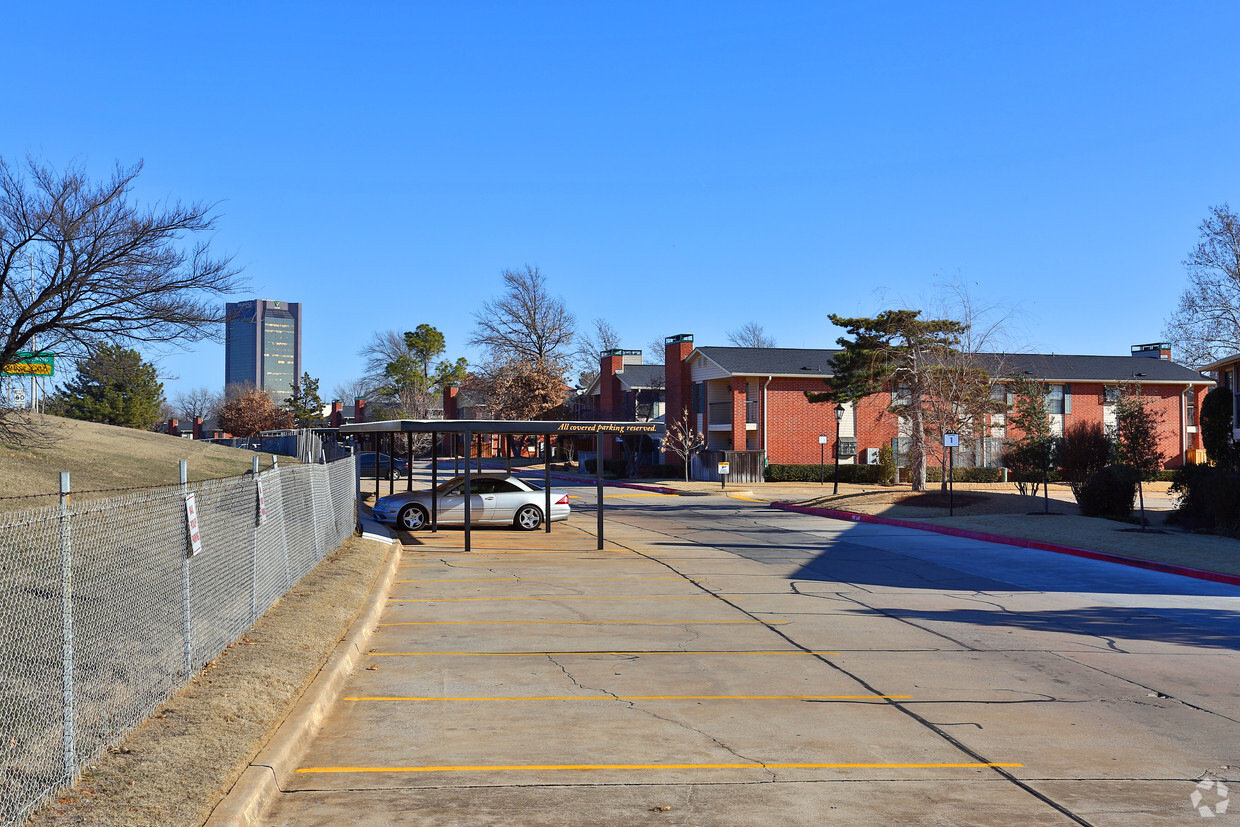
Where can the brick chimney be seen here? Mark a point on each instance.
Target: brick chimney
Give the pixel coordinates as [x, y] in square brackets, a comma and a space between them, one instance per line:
[173, 430]
[611, 362]
[676, 350]
[198, 427]
[359, 410]
[337, 416]
[450, 410]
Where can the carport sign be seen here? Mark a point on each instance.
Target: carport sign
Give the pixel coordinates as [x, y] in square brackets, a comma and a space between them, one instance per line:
[191, 515]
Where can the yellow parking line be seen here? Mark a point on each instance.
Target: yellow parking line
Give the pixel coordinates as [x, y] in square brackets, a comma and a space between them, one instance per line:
[629, 562]
[576, 622]
[582, 653]
[647, 698]
[546, 579]
[752, 766]
[573, 597]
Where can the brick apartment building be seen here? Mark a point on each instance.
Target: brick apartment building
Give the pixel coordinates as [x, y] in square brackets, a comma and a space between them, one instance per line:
[753, 399]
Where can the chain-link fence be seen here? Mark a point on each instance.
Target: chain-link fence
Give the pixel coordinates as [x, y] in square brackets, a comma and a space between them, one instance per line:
[105, 609]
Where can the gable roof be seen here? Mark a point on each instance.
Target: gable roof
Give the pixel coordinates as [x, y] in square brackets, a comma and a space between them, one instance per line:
[1049, 367]
[637, 377]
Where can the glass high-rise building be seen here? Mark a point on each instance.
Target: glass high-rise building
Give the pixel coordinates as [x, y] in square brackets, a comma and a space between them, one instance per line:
[263, 345]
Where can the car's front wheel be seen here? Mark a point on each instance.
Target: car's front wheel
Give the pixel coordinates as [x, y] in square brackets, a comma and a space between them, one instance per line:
[528, 518]
[412, 518]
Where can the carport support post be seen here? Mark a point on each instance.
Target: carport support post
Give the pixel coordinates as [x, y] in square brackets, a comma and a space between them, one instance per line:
[468, 438]
[479, 453]
[547, 479]
[598, 477]
[409, 486]
[434, 481]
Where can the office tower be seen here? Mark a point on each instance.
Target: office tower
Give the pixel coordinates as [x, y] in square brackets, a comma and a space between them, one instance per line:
[263, 345]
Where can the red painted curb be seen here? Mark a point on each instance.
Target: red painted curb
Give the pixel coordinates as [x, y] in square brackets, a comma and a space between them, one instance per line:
[1165, 568]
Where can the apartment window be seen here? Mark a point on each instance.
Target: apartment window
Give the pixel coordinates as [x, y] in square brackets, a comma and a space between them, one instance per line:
[1190, 413]
[1111, 394]
[1054, 399]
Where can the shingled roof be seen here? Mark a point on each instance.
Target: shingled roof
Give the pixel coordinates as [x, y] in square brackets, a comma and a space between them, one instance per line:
[1049, 367]
[771, 361]
[640, 377]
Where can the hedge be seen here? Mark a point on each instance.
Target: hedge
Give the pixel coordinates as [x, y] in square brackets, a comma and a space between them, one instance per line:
[934, 473]
[611, 467]
[857, 474]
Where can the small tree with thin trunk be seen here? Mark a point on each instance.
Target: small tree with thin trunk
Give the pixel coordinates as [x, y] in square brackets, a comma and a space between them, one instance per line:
[1136, 441]
[1027, 455]
[682, 440]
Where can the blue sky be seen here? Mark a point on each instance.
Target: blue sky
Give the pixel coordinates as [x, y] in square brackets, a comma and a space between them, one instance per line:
[672, 168]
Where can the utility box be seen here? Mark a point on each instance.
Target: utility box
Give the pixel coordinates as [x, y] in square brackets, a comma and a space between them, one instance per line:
[870, 456]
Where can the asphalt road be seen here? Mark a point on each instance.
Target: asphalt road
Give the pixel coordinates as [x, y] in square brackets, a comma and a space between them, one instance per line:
[721, 662]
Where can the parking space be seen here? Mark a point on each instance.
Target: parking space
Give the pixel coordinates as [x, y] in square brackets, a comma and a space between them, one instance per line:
[721, 663]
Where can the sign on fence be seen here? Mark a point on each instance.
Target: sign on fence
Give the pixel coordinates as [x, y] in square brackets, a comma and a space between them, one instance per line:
[195, 537]
[262, 505]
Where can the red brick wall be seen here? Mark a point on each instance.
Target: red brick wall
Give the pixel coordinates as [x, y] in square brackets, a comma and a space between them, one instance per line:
[676, 377]
[796, 423]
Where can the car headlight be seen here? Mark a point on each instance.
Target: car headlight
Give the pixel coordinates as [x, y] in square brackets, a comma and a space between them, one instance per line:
[380, 503]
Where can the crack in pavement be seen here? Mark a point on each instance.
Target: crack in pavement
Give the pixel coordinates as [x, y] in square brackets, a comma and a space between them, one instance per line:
[651, 713]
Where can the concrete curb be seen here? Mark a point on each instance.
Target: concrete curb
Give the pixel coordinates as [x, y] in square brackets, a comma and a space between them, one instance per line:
[1151, 565]
[249, 798]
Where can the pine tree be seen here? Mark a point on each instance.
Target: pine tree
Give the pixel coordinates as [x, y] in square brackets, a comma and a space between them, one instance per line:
[899, 348]
[113, 386]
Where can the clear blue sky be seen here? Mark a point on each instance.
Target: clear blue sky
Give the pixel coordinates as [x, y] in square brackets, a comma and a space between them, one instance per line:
[671, 167]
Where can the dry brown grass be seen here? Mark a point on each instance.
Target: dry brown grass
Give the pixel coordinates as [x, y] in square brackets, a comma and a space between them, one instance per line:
[107, 457]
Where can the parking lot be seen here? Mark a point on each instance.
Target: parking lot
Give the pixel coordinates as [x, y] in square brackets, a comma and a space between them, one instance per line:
[723, 663]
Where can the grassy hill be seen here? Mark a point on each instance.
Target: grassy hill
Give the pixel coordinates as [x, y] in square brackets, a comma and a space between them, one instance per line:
[105, 457]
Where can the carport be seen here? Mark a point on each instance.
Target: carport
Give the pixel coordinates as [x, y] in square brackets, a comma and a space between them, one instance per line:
[468, 429]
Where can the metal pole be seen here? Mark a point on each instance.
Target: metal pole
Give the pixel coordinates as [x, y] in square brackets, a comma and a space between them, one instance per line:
[479, 453]
[434, 481]
[835, 489]
[1046, 480]
[69, 741]
[186, 622]
[254, 551]
[951, 482]
[598, 475]
[547, 479]
[822, 463]
[468, 438]
[409, 485]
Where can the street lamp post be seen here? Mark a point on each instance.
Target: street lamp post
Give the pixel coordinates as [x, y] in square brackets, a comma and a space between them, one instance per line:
[839, 415]
[822, 460]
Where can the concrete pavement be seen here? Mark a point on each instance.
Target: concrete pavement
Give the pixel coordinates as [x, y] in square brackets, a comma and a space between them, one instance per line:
[723, 663]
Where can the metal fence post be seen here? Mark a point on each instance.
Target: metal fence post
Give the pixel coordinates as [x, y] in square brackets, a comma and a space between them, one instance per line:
[254, 551]
[187, 624]
[66, 591]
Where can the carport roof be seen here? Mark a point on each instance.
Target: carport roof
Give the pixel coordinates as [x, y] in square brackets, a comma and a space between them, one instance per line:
[500, 426]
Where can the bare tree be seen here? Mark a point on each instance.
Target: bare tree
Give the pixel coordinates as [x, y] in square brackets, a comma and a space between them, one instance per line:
[750, 334]
[1206, 324]
[82, 263]
[197, 402]
[347, 392]
[525, 334]
[657, 352]
[526, 323]
[590, 346]
[682, 440]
